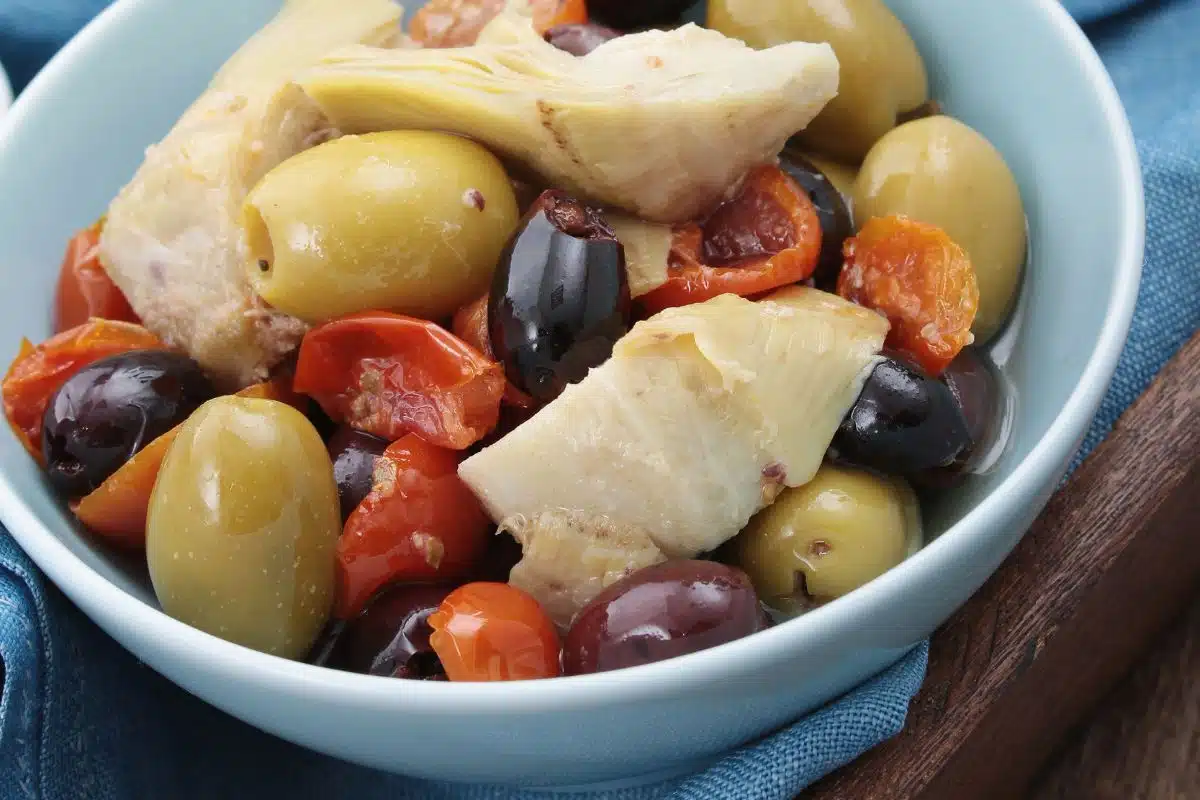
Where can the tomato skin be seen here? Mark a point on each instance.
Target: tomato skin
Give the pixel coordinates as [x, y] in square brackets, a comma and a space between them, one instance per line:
[766, 237]
[420, 522]
[471, 325]
[494, 632]
[457, 23]
[391, 375]
[84, 289]
[917, 277]
[38, 372]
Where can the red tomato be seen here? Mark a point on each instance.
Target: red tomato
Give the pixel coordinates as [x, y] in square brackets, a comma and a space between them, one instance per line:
[84, 288]
[419, 522]
[766, 237]
[471, 325]
[494, 632]
[457, 23]
[38, 372]
[391, 375]
[923, 282]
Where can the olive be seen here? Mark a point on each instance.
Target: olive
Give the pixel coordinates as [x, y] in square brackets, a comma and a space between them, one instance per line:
[408, 221]
[243, 526]
[828, 537]
[628, 15]
[840, 175]
[391, 637]
[903, 423]
[502, 554]
[940, 171]
[977, 388]
[882, 74]
[108, 411]
[836, 223]
[353, 454]
[661, 612]
[580, 39]
[560, 297]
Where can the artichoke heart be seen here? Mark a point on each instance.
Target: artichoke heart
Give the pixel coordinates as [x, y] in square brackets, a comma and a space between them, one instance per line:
[701, 417]
[661, 124]
[172, 240]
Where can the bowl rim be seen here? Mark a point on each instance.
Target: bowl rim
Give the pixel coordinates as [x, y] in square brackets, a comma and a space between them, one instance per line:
[204, 652]
[6, 92]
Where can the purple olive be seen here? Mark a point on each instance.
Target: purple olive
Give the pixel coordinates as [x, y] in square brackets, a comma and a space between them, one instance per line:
[629, 15]
[560, 297]
[354, 454]
[391, 637]
[108, 411]
[661, 612]
[836, 222]
[580, 39]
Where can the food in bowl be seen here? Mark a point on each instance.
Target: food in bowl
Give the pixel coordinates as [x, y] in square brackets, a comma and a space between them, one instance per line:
[526, 344]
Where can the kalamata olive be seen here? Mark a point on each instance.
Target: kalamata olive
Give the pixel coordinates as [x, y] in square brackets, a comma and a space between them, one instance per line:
[903, 423]
[108, 411]
[391, 637]
[560, 297]
[976, 385]
[579, 40]
[836, 223]
[828, 537]
[630, 14]
[661, 612]
[353, 454]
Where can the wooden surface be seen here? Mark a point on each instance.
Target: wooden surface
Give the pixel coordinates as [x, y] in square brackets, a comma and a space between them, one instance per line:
[1105, 569]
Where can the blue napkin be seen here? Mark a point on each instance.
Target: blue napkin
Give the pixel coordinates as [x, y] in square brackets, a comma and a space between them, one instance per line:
[81, 718]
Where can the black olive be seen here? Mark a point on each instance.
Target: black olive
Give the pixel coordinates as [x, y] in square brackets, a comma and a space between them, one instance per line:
[628, 15]
[976, 385]
[391, 637]
[108, 411]
[903, 423]
[560, 296]
[836, 223]
[580, 39]
[354, 454]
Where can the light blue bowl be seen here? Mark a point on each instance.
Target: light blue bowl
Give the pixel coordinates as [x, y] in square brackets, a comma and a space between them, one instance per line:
[1020, 71]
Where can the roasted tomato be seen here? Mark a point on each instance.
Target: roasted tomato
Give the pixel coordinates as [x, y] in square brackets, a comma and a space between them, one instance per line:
[84, 288]
[471, 325]
[494, 632]
[38, 372]
[767, 236]
[419, 523]
[117, 509]
[918, 278]
[391, 375]
[457, 23]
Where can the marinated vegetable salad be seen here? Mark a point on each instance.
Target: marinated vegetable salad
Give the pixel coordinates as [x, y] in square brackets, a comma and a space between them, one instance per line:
[545, 338]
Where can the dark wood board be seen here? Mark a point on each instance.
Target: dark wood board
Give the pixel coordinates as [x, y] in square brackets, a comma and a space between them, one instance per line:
[1103, 571]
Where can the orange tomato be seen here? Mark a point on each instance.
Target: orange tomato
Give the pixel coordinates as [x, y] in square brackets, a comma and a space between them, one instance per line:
[767, 236]
[419, 522]
[917, 277]
[84, 289]
[494, 632]
[457, 23]
[38, 372]
[117, 509]
[389, 375]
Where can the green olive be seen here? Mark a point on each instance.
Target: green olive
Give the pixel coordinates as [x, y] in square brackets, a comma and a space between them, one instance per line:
[406, 221]
[827, 538]
[940, 171]
[243, 526]
[882, 74]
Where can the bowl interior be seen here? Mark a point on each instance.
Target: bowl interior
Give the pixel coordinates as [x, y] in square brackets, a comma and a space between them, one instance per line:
[80, 133]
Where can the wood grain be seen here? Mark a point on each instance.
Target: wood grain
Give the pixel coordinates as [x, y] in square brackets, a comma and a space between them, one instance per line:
[1105, 568]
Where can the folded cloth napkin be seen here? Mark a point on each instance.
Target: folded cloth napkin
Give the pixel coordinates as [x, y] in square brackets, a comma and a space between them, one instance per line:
[82, 719]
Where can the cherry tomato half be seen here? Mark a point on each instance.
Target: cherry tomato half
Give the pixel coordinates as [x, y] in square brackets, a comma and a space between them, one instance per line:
[117, 509]
[418, 523]
[457, 23]
[84, 288]
[494, 632]
[391, 375]
[767, 236]
[471, 325]
[917, 277]
[38, 372]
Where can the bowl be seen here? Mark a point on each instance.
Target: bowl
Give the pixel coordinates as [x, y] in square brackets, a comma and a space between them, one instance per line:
[5, 92]
[1019, 71]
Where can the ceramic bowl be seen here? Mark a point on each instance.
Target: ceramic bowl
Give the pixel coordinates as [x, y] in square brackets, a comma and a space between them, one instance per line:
[1020, 71]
